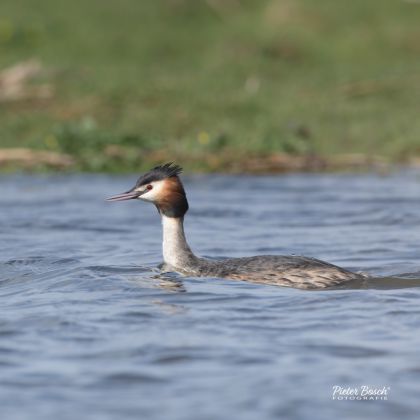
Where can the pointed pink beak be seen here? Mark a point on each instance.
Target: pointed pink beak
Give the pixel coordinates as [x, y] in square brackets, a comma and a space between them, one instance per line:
[129, 195]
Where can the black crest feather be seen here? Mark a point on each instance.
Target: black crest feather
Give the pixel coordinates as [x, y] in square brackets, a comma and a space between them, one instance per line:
[160, 172]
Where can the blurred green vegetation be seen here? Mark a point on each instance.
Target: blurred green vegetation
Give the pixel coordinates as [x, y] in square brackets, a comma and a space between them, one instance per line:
[202, 82]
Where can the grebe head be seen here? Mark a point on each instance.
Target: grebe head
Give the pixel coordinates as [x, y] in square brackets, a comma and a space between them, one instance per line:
[162, 187]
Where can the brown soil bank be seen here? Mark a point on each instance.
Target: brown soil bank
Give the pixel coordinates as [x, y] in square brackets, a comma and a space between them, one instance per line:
[28, 159]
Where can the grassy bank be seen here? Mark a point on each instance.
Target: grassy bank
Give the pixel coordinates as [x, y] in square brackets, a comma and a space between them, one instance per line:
[212, 84]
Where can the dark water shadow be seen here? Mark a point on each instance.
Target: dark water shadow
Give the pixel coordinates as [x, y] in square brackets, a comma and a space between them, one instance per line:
[396, 282]
[402, 281]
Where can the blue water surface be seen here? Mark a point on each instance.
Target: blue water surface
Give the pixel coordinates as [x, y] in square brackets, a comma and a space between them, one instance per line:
[89, 329]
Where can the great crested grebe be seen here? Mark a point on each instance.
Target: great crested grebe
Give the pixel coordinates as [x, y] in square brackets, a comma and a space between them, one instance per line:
[162, 187]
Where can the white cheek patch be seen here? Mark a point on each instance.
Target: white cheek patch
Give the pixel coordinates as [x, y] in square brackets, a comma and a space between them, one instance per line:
[154, 193]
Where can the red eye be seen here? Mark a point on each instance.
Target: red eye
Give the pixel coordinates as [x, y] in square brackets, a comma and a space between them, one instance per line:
[149, 187]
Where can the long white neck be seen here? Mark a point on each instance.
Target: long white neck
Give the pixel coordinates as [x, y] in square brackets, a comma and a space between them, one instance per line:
[176, 251]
